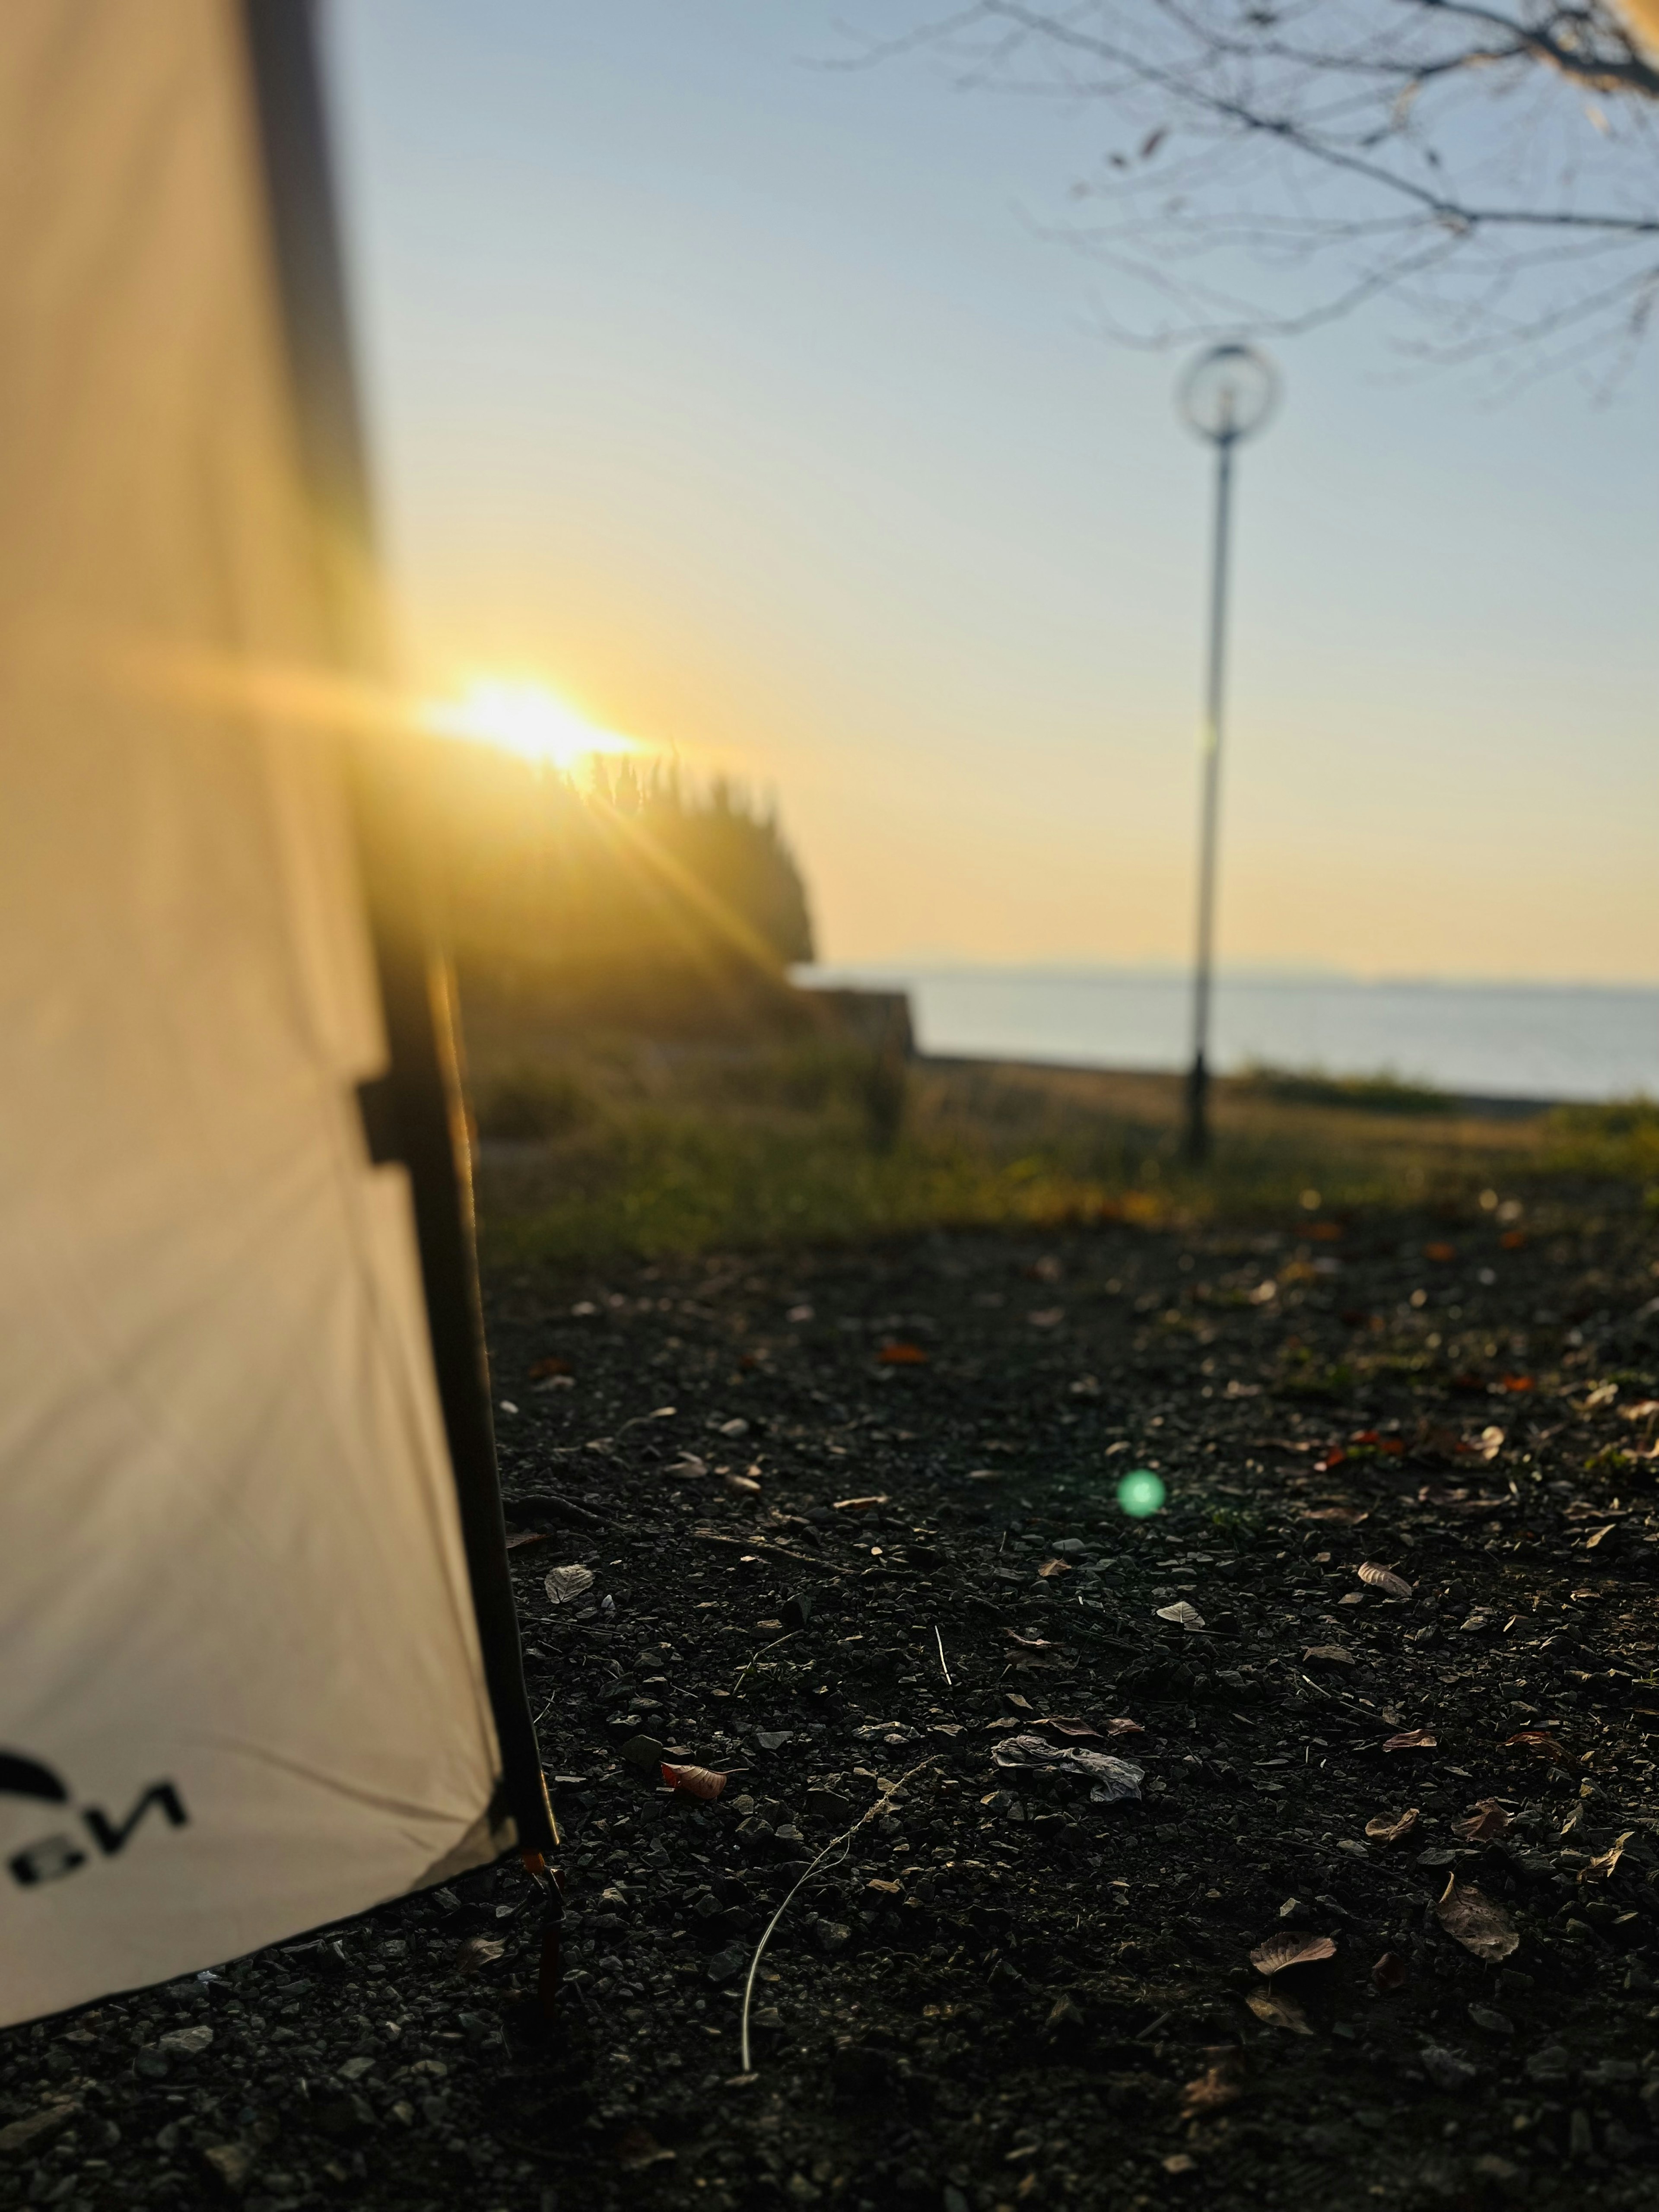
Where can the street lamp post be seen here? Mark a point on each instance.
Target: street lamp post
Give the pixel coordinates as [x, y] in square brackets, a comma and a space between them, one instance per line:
[1226, 396]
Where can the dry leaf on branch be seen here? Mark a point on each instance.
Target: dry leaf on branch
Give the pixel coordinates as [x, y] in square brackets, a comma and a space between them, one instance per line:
[694, 1781]
[1412, 1740]
[1476, 1921]
[1278, 2010]
[1281, 1951]
[1488, 1819]
[1384, 1579]
[566, 1584]
[1383, 1830]
[1602, 1869]
[1390, 1971]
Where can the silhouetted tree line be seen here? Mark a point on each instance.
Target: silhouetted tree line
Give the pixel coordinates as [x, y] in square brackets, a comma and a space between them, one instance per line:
[639, 896]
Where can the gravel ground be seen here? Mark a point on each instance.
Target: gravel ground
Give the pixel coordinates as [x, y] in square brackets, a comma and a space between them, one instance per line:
[870, 1567]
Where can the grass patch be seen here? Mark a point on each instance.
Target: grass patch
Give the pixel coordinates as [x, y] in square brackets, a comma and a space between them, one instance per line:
[643, 1148]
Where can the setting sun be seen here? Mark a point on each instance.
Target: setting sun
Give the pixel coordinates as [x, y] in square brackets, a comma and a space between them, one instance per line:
[523, 718]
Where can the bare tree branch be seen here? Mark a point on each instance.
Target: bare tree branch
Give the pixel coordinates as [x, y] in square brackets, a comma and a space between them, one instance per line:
[1328, 154]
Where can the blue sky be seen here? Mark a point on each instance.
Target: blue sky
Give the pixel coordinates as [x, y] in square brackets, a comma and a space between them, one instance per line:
[741, 401]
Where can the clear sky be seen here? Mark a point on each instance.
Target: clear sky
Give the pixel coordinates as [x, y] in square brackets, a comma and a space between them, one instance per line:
[740, 400]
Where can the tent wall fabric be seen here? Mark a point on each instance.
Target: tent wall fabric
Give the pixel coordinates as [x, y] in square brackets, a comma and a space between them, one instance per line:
[255, 1668]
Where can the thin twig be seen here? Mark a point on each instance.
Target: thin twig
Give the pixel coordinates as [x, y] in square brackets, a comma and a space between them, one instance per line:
[888, 1790]
[943, 1668]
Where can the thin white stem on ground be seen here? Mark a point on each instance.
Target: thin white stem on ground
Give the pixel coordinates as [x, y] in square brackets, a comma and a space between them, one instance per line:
[838, 1842]
[943, 1668]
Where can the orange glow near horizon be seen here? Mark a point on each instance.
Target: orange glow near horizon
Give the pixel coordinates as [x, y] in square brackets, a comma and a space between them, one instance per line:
[525, 718]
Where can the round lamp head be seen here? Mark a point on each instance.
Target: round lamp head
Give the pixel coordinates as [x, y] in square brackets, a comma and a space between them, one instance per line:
[1229, 393]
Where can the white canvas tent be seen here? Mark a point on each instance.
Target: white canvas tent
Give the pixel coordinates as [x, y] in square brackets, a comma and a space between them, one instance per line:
[258, 1662]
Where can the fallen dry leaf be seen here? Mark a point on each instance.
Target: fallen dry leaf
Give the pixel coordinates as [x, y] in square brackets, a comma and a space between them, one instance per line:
[1536, 1740]
[1066, 1725]
[1413, 1740]
[887, 1888]
[1383, 1830]
[1350, 1515]
[523, 1536]
[1488, 1820]
[740, 1485]
[1602, 1869]
[1213, 2088]
[1181, 1614]
[900, 1354]
[1278, 2010]
[553, 1364]
[1124, 1728]
[1390, 1971]
[478, 1952]
[566, 1584]
[1281, 1951]
[695, 1781]
[1385, 1579]
[1050, 1568]
[860, 1504]
[1476, 1921]
[1327, 1655]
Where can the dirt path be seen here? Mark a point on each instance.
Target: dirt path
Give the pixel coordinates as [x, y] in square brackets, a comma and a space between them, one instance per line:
[1009, 1990]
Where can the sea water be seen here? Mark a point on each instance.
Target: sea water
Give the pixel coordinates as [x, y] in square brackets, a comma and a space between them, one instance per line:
[1497, 1040]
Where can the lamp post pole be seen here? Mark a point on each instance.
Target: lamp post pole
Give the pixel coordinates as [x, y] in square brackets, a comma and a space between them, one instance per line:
[1226, 396]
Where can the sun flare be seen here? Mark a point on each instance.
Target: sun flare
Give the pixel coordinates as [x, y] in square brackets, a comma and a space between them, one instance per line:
[523, 718]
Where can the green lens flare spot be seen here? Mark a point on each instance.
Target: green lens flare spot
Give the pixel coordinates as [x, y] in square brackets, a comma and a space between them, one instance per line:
[1140, 1492]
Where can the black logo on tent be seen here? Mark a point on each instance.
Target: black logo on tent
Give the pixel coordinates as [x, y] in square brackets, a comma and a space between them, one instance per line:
[53, 1857]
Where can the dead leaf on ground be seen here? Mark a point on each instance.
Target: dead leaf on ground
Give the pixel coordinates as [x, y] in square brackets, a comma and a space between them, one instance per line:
[1390, 1971]
[1280, 1952]
[1413, 1740]
[703, 1782]
[1034, 1652]
[1216, 2087]
[1602, 1869]
[1383, 1830]
[1050, 1568]
[478, 1952]
[1278, 2010]
[1350, 1515]
[1476, 1921]
[1181, 1614]
[1327, 1655]
[523, 1536]
[686, 1469]
[553, 1364]
[1064, 1724]
[1487, 1819]
[860, 1504]
[1538, 1740]
[636, 2148]
[900, 1354]
[1384, 1579]
[1124, 1728]
[566, 1584]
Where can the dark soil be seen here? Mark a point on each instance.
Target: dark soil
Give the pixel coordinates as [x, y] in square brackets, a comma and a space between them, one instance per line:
[1003, 1992]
